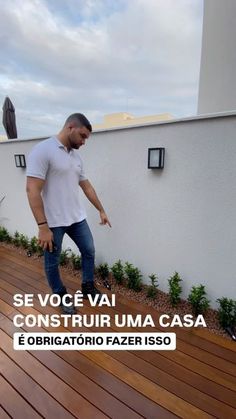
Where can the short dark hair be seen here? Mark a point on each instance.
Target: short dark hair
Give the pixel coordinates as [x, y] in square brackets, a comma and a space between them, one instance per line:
[80, 120]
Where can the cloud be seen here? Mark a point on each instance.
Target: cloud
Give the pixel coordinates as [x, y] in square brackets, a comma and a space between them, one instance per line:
[98, 56]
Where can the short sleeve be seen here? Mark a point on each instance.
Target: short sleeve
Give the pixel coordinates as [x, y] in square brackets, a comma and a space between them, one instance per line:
[82, 175]
[37, 162]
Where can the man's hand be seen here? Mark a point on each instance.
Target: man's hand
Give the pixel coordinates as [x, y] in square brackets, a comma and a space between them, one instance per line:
[104, 219]
[45, 238]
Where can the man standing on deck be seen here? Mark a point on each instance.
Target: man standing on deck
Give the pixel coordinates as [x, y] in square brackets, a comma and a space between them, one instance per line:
[54, 171]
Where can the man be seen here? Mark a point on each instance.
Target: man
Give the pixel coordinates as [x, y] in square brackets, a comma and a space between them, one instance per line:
[54, 171]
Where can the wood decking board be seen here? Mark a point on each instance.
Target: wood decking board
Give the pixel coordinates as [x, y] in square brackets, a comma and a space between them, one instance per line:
[195, 365]
[29, 270]
[170, 383]
[198, 380]
[182, 358]
[3, 413]
[14, 404]
[98, 375]
[198, 337]
[30, 390]
[165, 399]
[79, 382]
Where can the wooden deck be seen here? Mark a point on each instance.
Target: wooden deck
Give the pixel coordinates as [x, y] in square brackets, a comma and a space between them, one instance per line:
[198, 380]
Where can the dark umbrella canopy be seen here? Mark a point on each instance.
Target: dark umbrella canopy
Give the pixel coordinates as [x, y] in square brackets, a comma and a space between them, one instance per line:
[9, 119]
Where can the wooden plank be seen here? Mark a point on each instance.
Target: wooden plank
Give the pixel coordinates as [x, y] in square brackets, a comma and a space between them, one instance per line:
[205, 371]
[199, 354]
[180, 358]
[205, 342]
[201, 383]
[197, 398]
[101, 399]
[3, 413]
[147, 405]
[207, 386]
[35, 266]
[147, 387]
[226, 366]
[30, 390]
[189, 363]
[14, 404]
[27, 277]
[6, 308]
[55, 386]
[217, 339]
[162, 330]
[144, 406]
[226, 351]
[158, 392]
[170, 383]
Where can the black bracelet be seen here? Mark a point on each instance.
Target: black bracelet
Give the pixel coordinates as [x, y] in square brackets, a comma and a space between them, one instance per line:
[40, 224]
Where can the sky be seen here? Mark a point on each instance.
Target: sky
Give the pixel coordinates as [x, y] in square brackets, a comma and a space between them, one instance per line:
[98, 57]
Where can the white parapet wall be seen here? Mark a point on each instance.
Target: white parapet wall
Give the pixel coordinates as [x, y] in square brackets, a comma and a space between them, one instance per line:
[181, 218]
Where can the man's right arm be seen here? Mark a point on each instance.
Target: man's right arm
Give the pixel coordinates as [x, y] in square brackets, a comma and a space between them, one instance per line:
[34, 188]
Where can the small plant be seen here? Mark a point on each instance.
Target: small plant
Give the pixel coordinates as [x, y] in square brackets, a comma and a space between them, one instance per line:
[103, 271]
[227, 312]
[24, 241]
[175, 289]
[197, 299]
[64, 257]
[134, 277]
[34, 247]
[76, 261]
[16, 239]
[4, 235]
[152, 289]
[118, 272]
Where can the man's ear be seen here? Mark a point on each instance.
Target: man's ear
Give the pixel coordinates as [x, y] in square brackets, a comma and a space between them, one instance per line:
[70, 126]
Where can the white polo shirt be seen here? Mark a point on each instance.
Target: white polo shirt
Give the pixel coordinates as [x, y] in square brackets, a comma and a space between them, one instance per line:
[62, 171]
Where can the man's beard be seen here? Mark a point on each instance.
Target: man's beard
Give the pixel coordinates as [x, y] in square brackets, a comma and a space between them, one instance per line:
[73, 144]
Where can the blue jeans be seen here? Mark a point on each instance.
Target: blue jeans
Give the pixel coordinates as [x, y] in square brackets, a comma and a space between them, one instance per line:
[81, 235]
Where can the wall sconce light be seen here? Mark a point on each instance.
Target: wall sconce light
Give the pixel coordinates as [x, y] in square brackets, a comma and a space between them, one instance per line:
[20, 160]
[156, 157]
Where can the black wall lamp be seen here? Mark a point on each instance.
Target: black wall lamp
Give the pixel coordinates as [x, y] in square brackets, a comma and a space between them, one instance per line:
[20, 160]
[156, 157]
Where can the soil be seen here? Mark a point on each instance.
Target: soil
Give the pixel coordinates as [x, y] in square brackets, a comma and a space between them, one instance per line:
[161, 303]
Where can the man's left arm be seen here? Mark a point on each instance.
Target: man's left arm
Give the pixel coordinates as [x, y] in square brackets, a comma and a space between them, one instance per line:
[90, 193]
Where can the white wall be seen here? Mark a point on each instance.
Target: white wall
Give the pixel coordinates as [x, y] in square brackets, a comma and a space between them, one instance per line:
[217, 87]
[179, 219]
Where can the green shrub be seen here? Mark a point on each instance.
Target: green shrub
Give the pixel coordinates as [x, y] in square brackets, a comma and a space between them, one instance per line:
[118, 272]
[152, 289]
[16, 239]
[133, 276]
[4, 235]
[34, 247]
[227, 312]
[197, 299]
[103, 271]
[64, 257]
[76, 261]
[24, 241]
[175, 289]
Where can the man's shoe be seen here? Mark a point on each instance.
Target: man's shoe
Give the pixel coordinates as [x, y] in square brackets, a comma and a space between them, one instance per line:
[68, 309]
[89, 288]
